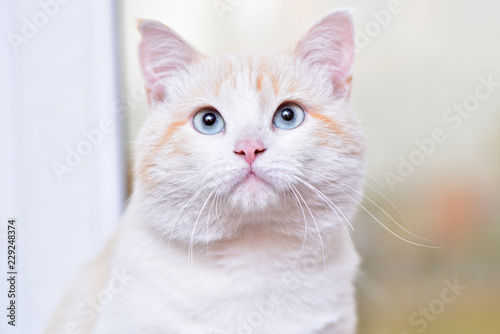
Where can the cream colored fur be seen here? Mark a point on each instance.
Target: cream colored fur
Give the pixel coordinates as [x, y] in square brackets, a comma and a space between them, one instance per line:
[200, 248]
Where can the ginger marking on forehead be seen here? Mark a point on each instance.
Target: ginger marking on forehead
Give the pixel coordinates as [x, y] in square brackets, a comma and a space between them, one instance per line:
[233, 80]
[276, 86]
[218, 84]
[226, 74]
[260, 77]
[264, 72]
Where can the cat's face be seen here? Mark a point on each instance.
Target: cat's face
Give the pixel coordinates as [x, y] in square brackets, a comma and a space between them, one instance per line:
[246, 138]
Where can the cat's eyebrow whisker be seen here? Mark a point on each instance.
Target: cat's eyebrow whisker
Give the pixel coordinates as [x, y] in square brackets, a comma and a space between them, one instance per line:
[378, 221]
[317, 228]
[328, 201]
[191, 240]
[286, 67]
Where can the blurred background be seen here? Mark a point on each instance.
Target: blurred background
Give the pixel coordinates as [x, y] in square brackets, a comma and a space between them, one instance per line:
[426, 88]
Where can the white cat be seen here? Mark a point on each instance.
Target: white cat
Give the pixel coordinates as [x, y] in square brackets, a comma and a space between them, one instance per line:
[247, 173]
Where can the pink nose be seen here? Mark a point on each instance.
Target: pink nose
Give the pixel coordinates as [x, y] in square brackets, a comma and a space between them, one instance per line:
[250, 149]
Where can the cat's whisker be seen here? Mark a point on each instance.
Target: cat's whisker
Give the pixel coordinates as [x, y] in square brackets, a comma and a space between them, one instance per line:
[364, 196]
[209, 213]
[367, 174]
[134, 194]
[325, 199]
[293, 190]
[191, 170]
[155, 200]
[378, 221]
[328, 201]
[164, 194]
[217, 213]
[191, 240]
[365, 183]
[180, 212]
[317, 227]
[388, 215]
[128, 200]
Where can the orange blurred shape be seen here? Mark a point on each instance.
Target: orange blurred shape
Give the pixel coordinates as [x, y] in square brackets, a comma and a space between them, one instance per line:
[459, 210]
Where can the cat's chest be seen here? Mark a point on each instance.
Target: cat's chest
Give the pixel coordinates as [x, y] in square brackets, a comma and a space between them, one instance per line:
[245, 301]
[170, 291]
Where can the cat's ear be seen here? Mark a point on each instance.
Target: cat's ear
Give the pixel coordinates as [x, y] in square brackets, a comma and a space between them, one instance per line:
[330, 44]
[162, 54]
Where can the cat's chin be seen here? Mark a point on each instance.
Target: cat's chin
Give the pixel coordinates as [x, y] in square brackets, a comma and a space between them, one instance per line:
[253, 194]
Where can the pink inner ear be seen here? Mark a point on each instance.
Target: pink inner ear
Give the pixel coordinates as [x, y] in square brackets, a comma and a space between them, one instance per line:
[330, 44]
[162, 53]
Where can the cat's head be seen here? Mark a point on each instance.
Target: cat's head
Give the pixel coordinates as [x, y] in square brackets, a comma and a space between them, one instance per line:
[233, 141]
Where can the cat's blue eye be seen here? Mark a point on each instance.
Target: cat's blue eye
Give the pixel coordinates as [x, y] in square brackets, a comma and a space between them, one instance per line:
[208, 121]
[288, 116]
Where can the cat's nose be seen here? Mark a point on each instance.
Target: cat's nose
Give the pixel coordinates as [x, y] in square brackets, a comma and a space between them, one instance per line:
[249, 149]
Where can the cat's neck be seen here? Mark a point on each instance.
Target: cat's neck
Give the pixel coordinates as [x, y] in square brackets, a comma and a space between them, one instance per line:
[257, 244]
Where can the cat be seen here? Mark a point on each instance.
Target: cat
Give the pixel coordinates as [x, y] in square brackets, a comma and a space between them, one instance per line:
[247, 173]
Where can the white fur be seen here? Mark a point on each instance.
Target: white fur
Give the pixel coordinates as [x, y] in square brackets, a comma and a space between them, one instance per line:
[207, 252]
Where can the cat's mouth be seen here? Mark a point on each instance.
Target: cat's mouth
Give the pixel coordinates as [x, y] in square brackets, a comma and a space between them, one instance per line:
[251, 177]
[251, 182]
[252, 192]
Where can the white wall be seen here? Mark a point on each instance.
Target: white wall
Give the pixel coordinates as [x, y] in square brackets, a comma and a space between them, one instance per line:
[61, 81]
